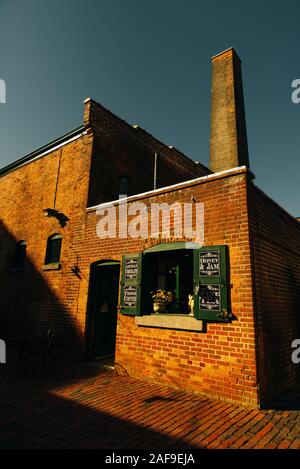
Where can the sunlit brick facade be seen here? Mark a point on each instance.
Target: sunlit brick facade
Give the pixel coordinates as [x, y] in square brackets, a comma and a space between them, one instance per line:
[235, 346]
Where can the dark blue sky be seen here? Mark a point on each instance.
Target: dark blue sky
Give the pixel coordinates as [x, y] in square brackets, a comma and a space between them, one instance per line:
[149, 63]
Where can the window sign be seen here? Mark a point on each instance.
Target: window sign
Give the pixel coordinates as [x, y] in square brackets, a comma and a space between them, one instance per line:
[131, 284]
[209, 263]
[131, 268]
[130, 296]
[210, 297]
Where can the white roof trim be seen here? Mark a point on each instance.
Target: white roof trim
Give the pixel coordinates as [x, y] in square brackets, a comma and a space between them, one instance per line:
[53, 149]
[161, 190]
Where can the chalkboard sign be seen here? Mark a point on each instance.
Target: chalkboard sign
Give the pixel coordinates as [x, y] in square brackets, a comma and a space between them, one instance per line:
[210, 296]
[130, 296]
[131, 268]
[209, 263]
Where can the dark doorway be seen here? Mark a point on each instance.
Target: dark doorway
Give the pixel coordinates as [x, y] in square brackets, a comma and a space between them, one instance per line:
[102, 311]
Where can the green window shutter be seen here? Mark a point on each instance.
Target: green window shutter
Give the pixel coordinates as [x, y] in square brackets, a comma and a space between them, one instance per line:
[211, 283]
[131, 284]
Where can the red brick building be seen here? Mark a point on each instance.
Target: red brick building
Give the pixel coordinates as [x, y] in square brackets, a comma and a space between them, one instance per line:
[234, 312]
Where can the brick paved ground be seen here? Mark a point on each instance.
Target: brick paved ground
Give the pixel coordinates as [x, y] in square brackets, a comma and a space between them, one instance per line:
[80, 406]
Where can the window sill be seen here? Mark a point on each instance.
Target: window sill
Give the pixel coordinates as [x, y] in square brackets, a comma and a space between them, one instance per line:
[170, 321]
[54, 266]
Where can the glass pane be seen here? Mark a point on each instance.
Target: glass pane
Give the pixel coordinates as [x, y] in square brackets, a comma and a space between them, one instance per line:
[53, 250]
[20, 255]
[172, 271]
[124, 187]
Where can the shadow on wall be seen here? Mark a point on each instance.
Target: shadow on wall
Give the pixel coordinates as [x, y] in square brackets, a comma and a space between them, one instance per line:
[63, 405]
[27, 301]
[281, 325]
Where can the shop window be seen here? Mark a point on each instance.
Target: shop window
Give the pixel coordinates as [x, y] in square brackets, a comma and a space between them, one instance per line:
[53, 249]
[20, 255]
[169, 272]
[197, 279]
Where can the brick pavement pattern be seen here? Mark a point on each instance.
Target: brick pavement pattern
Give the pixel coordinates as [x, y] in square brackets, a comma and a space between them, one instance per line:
[84, 407]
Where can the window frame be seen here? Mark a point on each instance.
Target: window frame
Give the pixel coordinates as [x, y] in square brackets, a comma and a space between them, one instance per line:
[50, 259]
[18, 266]
[124, 183]
[176, 259]
[222, 280]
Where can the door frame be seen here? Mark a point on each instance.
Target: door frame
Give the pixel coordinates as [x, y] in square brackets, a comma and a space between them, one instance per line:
[89, 337]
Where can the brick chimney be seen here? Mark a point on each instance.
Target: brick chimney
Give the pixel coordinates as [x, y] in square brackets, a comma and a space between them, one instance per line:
[228, 135]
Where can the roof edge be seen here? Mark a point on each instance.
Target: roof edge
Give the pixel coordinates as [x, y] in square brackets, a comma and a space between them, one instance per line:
[137, 128]
[179, 185]
[39, 151]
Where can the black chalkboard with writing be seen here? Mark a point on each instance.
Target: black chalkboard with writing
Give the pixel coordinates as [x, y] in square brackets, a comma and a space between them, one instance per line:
[210, 296]
[209, 263]
[130, 296]
[131, 268]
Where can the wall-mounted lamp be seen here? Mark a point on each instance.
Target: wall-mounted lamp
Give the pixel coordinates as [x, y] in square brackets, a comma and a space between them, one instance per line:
[52, 212]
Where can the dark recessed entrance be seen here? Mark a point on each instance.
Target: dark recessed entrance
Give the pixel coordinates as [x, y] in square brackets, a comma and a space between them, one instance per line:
[102, 310]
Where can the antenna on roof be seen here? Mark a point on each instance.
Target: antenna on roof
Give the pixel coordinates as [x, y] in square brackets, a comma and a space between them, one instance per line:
[156, 169]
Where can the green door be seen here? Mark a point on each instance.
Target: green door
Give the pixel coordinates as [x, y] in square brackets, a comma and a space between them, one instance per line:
[103, 309]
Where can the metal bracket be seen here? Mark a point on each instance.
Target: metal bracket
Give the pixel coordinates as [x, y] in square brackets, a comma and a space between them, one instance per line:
[225, 314]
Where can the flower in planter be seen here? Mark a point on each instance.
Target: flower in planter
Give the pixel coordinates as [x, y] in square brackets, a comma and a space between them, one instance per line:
[162, 296]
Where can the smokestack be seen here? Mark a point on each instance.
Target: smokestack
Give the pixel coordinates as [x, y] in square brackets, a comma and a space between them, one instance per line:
[228, 135]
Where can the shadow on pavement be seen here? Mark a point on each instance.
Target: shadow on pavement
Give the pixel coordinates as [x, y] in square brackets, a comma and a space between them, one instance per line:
[56, 408]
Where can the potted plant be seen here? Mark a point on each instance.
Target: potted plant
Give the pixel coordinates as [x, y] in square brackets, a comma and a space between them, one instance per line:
[161, 298]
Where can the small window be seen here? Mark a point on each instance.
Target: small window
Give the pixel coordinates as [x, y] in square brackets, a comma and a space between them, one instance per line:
[53, 249]
[124, 190]
[20, 255]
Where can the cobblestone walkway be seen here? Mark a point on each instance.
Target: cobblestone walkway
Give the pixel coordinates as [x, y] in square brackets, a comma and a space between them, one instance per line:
[83, 407]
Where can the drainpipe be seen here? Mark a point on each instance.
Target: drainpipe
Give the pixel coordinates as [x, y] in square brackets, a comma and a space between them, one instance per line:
[156, 156]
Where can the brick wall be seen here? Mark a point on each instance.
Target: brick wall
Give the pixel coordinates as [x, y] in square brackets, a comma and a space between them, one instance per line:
[120, 149]
[226, 361]
[81, 172]
[275, 244]
[221, 361]
[60, 178]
